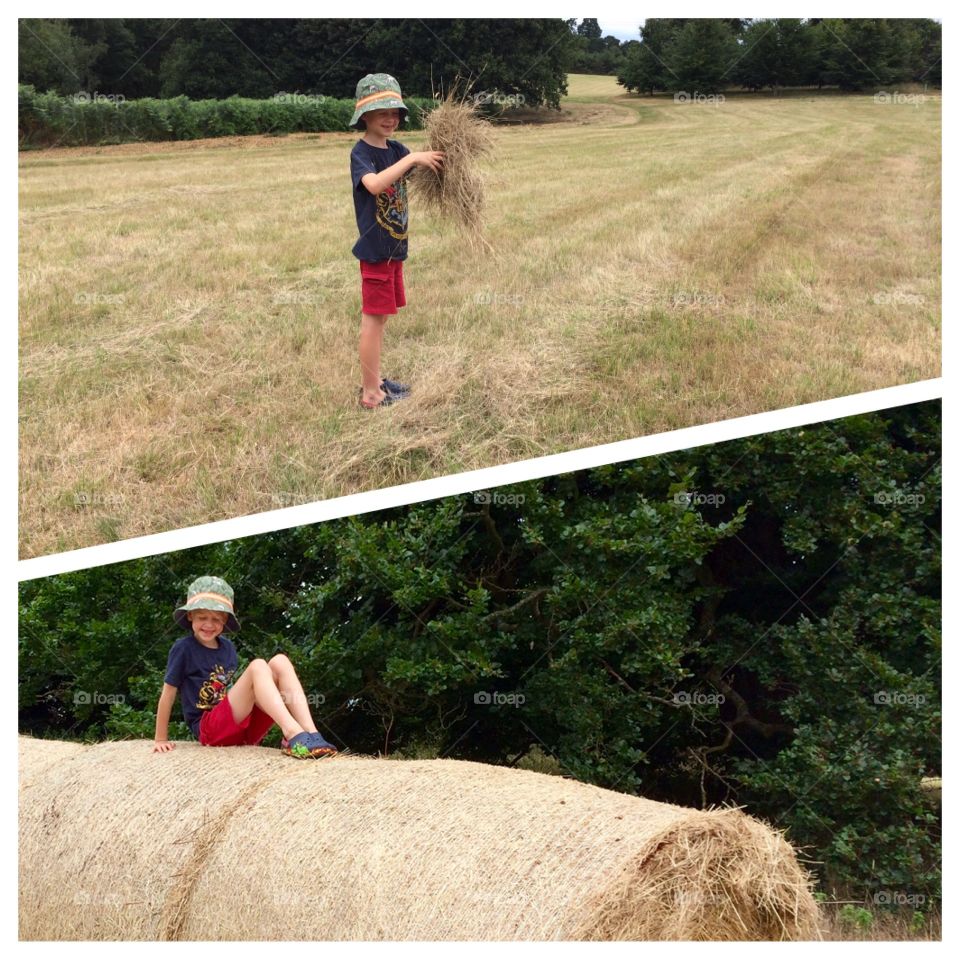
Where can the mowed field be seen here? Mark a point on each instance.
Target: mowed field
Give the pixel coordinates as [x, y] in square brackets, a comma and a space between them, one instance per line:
[189, 312]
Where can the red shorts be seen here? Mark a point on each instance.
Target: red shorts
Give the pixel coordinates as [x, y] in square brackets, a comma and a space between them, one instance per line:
[219, 729]
[382, 285]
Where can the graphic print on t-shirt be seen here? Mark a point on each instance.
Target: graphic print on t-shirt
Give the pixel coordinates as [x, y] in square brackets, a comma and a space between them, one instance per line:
[392, 210]
[214, 689]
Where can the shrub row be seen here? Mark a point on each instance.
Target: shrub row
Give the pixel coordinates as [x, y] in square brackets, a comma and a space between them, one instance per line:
[46, 119]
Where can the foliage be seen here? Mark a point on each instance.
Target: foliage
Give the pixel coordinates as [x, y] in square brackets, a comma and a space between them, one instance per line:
[708, 55]
[47, 118]
[754, 622]
[255, 58]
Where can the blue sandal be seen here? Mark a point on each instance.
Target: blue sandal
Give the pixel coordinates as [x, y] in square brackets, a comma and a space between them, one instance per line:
[388, 398]
[300, 747]
[397, 389]
[320, 747]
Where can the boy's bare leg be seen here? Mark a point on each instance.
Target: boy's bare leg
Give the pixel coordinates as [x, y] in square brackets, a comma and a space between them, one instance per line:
[287, 681]
[371, 340]
[257, 686]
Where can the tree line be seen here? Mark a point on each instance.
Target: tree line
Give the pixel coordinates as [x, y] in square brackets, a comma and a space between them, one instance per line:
[258, 58]
[527, 59]
[710, 55]
[754, 622]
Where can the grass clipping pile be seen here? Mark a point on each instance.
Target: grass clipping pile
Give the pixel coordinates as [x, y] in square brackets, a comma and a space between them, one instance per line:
[458, 191]
[117, 842]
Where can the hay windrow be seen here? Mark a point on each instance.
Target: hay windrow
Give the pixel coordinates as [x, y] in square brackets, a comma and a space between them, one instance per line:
[457, 192]
[119, 843]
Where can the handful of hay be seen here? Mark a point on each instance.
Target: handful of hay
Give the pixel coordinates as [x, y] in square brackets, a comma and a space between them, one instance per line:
[118, 843]
[457, 190]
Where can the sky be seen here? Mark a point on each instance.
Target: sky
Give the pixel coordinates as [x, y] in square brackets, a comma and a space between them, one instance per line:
[621, 29]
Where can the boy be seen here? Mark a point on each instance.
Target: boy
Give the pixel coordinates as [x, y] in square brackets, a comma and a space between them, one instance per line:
[378, 168]
[201, 666]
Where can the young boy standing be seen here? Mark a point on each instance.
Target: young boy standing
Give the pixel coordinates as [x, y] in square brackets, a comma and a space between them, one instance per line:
[378, 169]
[201, 667]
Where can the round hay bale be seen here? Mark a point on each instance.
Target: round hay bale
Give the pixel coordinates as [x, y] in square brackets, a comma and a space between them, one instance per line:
[117, 842]
[34, 756]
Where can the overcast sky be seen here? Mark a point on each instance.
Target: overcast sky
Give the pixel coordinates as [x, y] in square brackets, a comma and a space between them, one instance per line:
[621, 29]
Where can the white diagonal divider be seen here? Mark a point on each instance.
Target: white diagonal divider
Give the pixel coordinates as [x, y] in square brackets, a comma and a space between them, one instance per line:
[486, 478]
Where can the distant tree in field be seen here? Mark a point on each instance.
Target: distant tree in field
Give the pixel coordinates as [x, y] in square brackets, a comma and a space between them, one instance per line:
[757, 64]
[915, 55]
[589, 29]
[775, 53]
[856, 54]
[703, 56]
[594, 53]
[645, 67]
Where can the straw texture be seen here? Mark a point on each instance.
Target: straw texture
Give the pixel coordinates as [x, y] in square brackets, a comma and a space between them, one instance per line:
[241, 843]
[458, 191]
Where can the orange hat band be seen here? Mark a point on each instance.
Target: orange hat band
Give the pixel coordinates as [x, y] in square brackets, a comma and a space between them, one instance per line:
[382, 95]
[210, 596]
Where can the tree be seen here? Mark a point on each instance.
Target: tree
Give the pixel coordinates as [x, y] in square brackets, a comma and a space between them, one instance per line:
[703, 56]
[53, 58]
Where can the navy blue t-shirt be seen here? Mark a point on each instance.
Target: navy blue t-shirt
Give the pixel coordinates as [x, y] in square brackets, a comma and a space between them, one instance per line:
[381, 219]
[201, 674]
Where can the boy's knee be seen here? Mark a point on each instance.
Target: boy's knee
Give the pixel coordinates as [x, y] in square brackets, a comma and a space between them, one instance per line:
[259, 664]
[280, 660]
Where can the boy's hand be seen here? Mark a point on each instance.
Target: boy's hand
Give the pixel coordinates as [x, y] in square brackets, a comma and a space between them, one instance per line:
[429, 158]
[162, 746]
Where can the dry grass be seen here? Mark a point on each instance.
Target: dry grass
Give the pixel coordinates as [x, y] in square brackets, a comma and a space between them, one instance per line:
[456, 192]
[189, 317]
[117, 842]
[882, 925]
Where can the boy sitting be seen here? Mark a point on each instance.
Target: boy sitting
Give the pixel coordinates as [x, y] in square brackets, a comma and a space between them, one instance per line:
[201, 666]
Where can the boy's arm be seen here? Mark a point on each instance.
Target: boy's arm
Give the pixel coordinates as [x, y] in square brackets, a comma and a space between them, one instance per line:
[378, 182]
[164, 707]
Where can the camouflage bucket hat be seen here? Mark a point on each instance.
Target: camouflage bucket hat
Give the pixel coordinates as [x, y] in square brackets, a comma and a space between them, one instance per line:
[208, 593]
[378, 91]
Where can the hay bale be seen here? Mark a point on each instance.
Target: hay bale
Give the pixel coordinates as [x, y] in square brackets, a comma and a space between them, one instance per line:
[35, 756]
[117, 842]
[457, 191]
